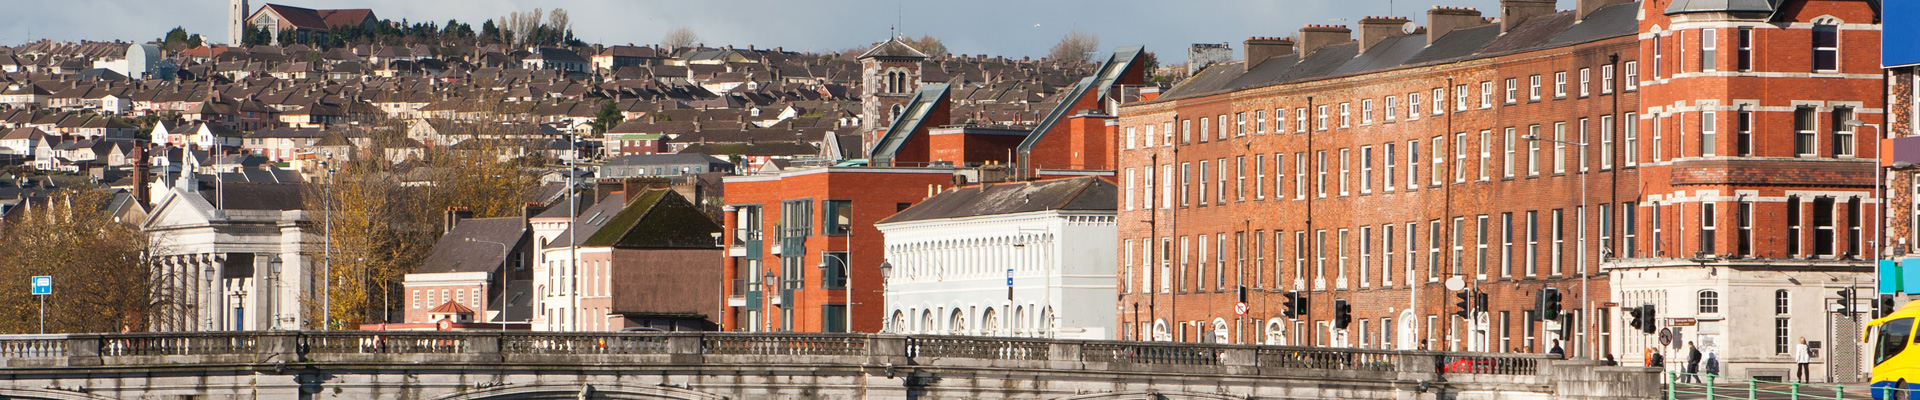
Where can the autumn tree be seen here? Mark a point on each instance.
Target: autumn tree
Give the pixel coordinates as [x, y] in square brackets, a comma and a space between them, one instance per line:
[102, 280]
[928, 44]
[1075, 47]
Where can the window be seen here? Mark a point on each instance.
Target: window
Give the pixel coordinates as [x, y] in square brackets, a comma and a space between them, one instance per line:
[1804, 123]
[1533, 88]
[1506, 245]
[1606, 79]
[1147, 195]
[1842, 133]
[1513, 90]
[1260, 122]
[1260, 258]
[416, 299]
[1823, 239]
[1204, 171]
[1319, 255]
[1782, 336]
[1345, 156]
[1240, 178]
[1560, 84]
[1346, 115]
[1709, 50]
[1709, 122]
[1486, 155]
[1584, 140]
[1507, 158]
[1186, 183]
[1744, 243]
[835, 274]
[1279, 120]
[1205, 126]
[1707, 227]
[1413, 165]
[1854, 245]
[1586, 81]
[1459, 157]
[1321, 184]
[1220, 197]
[1130, 138]
[1743, 144]
[1559, 148]
[1366, 112]
[1556, 227]
[1657, 56]
[1433, 250]
[1826, 48]
[1459, 231]
[839, 217]
[1633, 75]
[1632, 134]
[1186, 131]
[1130, 189]
[1366, 169]
[1439, 159]
[1793, 226]
[1127, 246]
[1260, 177]
[1533, 242]
[1486, 94]
[1366, 256]
[1300, 120]
[1392, 108]
[1533, 151]
[1780, 303]
[1606, 142]
[1166, 134]
[1743, 56]
[1460, 98]
[1239, 124]
[1320, 118]
[1222, 119]
[1413, 106]
[1629, 228]
[1481, 238]
[1439, 100]
[1300, 176]
[1386, 260]
[1389, 181]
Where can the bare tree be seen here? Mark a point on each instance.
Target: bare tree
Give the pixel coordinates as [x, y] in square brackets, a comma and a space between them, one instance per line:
[929, 45]
[519, 26]
[557, 21]
[1075, 47]
[681, 37]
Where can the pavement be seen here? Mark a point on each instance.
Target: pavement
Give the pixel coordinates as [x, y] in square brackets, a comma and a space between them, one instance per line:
[1854, 390]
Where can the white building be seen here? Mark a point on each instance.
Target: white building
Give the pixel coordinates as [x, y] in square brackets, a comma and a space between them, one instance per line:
[1030, 259]
[236, 257]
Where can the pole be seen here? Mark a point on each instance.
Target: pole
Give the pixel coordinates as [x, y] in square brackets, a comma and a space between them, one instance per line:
[846, 272]
[326, 293]
[43, 314]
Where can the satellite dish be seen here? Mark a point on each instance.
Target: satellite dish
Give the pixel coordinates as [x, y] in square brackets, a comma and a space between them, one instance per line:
[1409, 28]
[1456, 284]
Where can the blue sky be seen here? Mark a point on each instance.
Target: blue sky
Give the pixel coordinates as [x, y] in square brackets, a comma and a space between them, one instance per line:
[995, 27]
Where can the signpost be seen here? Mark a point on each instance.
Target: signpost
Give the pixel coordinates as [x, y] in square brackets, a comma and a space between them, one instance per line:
[1682, 321]
[43, 287]
[1240, 308]
[1009, 284]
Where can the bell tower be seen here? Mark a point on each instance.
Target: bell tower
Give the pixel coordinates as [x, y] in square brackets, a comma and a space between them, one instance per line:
[237, 22]
[889, 75]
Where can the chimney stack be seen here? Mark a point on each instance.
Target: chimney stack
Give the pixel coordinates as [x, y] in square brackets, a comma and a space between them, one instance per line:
[1261, 48]
[1442, 20]
[1515, 12]
[1315, 37]
[1587, 7]
[1373, 30]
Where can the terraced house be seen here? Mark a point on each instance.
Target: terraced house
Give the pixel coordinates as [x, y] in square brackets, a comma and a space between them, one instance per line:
[1500, 184]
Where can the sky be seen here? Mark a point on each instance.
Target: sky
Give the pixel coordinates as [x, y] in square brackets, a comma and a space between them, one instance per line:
[993, 27]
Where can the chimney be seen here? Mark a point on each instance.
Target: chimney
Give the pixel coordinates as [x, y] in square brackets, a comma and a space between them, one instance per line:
[1587, 7]
[1261, 48]
[140, 176]
[605, 187]
[1443, 20]
[1376, 29]
[1315, 37]
[455, 215]
[1515, 12]
[636, 185]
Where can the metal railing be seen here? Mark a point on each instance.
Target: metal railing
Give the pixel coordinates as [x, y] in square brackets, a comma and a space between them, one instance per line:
[1680, 385]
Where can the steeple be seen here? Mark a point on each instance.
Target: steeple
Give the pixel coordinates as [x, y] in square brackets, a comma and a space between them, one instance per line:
[237, 21]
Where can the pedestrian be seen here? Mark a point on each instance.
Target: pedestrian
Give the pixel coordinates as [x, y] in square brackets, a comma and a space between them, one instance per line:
[1610, 362]
[1558, 352]
[1713, 362]
[1802, 358]
[1693, 364]
[1658, 361]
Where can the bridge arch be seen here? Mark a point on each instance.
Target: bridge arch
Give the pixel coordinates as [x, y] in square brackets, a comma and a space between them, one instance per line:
[1154, 395]
[580, 391]
[46, 394]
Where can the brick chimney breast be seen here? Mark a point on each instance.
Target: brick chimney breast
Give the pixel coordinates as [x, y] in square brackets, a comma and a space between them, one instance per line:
[1443, 20]
[1261, 48]
[1373, 30]
[1315, 37]
[1516, 12]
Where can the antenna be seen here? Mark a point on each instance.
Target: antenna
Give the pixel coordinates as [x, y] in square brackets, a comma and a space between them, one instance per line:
[900, 15]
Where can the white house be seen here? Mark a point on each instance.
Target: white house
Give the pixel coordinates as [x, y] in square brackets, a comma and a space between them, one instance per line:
[236, 256]
[1029, 259]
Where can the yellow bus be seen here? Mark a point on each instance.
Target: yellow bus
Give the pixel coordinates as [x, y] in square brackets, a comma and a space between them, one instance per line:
[1896, 372]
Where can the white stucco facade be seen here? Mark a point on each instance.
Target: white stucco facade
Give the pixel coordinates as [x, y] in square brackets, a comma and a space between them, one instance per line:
[231, 269]
[950, 276]
[1752, 312]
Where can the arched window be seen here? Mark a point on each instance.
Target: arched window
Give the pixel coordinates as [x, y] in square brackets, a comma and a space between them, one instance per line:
[1780, 302]
[926, 321]
[1019, 320]
[1276, 332]
[957, 324]
[989, 323]
[898, 322]
[1220, 332]
[1709, 302]
[1160, 330]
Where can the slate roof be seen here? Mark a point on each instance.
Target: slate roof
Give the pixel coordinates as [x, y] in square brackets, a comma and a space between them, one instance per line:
[257, 196]
[1083, 193]
[453, 253]
[892, 48]
[1693, 6]
[1411, 51]
[665, 159]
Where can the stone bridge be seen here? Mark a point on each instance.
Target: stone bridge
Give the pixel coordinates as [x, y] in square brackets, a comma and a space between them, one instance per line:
[705, 365]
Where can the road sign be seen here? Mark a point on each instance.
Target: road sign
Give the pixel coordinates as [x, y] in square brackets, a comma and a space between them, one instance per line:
[1610, 304]
[42, 285]
[1682, 321]
[1009, 277]
[1666, 336]
[1240, 308]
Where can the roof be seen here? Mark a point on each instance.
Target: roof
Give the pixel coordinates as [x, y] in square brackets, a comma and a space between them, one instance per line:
[1082, 193]
[892, 48]
[1412, 51]
[1693, 6]
[454, 253]
[451, 308]
[657, 218]
[257, 196]
[665, 159]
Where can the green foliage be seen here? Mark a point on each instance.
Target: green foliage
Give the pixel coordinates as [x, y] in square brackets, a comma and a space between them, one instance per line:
[608, 118]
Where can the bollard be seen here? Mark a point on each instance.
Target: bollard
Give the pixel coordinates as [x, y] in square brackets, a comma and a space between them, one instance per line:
[1710, 379]
[1752, 393]
[1794, 390]
[1670, 393]
[1839, 392]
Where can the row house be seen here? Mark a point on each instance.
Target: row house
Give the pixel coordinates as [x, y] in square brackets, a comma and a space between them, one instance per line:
[1620, 154]
[480, 264]
[638, 254]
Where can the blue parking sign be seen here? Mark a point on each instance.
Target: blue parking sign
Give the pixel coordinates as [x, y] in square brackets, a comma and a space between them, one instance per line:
[1009, 277]
[42, 285]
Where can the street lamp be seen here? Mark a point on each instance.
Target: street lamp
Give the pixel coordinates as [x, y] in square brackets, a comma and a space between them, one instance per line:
[766, 301]
[886, 277]
[503, 280]
[273, 291]
[846, 280]
[213, 299]
[326, 291]
[1880, 226]
[1046, 290]
[1585, 304]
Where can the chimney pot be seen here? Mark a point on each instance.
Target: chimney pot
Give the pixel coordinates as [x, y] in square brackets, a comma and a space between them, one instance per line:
[1515, 12]
[1261, 48]
[1443, 20]
[1316, 36]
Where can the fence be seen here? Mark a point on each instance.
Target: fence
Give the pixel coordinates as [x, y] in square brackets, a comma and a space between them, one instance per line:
[1681, 385]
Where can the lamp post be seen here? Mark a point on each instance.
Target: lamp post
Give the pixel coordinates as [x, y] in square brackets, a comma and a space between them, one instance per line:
[273, 291]
[846, 280]
[766, 301]
[1879, 198]
[886, 276]
[503, 280]
[326, 291]
[1585, 304]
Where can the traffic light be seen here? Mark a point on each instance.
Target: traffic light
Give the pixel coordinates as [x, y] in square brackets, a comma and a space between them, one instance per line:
[1342, 314]
[1243, 293]
[1883, 306]
[1647, 313]
[1636, 317]
[1291, 308]
[1480, 301]
[1549, 304]
[1464, 308]
[1846, 301]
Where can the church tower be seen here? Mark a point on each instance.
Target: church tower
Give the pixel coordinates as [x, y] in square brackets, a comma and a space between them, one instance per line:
[237, 22]
[889, 75]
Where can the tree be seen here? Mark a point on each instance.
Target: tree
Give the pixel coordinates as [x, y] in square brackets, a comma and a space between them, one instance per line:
[679, 37]
[101, 275]
[489, 31]
[1074, 48]
[928, 44]
[608, 118]
[287, 37]
[175, 39]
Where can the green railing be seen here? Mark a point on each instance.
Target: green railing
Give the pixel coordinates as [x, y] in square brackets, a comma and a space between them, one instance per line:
[1680, 385]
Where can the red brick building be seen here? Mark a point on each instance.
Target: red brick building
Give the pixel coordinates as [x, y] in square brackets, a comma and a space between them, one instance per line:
[1568, 150]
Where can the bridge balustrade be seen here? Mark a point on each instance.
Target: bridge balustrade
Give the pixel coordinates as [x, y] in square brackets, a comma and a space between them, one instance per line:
[180, 344]
[1321, 358]
[382, 343]
[1489, 364]
[979, 347]
[1151, 353]
[585, 343]
[784, 344]
[35, 346]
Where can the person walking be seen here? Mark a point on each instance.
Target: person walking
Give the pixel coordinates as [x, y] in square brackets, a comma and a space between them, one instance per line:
[1693, 364]
[1558, 352]
[1713, 362]
[1802, 358]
